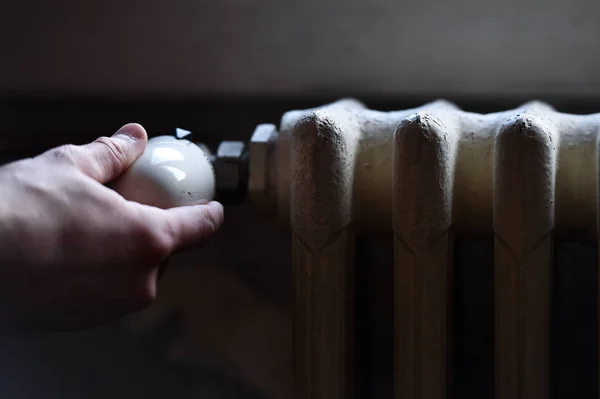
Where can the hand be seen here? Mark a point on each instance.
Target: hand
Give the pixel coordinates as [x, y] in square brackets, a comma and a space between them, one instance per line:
[75, 254]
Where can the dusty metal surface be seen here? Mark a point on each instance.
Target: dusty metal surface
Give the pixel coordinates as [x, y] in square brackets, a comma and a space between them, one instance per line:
[428, 175]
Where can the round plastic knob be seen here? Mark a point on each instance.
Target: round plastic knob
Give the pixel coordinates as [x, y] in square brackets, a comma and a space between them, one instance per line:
[171, 172]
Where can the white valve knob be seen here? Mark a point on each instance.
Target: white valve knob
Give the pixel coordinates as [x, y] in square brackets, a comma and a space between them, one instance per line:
[171, 172]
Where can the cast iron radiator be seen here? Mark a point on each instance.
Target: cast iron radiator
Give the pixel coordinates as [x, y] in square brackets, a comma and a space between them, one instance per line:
[427, 175]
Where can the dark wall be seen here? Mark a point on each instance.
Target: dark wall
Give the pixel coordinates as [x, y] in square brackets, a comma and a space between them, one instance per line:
[271, 47]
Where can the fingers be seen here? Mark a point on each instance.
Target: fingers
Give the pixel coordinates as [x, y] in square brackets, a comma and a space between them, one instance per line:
[191, 225]
[184, 227]
[106, 158]
[110, 157]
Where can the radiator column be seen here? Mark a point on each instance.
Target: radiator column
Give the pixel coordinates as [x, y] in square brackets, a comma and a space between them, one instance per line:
[323, 148]
[427, 174]
[524, 198]
[423, 178]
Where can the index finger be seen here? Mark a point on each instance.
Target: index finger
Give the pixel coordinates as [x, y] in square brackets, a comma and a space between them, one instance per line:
[186, 226]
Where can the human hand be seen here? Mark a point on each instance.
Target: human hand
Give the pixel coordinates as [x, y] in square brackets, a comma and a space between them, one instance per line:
[75, 254]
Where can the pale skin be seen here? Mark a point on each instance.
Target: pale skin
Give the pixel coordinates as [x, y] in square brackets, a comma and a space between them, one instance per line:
[75, 254]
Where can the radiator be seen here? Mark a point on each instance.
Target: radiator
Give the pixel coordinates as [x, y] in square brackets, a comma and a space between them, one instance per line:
[425, 176]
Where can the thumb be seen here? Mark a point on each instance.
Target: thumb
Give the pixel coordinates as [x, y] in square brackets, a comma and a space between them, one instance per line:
[107, 158]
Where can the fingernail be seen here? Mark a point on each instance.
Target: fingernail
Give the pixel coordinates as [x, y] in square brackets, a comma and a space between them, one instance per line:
[124, 134]
[131, 131]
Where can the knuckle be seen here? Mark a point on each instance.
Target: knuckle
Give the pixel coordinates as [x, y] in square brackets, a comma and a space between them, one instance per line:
[209, 224]
[64, 154]
[155, 246]
[204, 227]
[117, 152]
[142, 299]
[145, 297]
[159, 247]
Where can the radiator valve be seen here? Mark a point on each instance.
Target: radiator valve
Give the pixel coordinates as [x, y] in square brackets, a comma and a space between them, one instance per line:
[171, 172]
[174, 171]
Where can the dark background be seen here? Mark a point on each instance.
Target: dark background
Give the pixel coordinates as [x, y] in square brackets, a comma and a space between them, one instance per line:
[72, 71]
